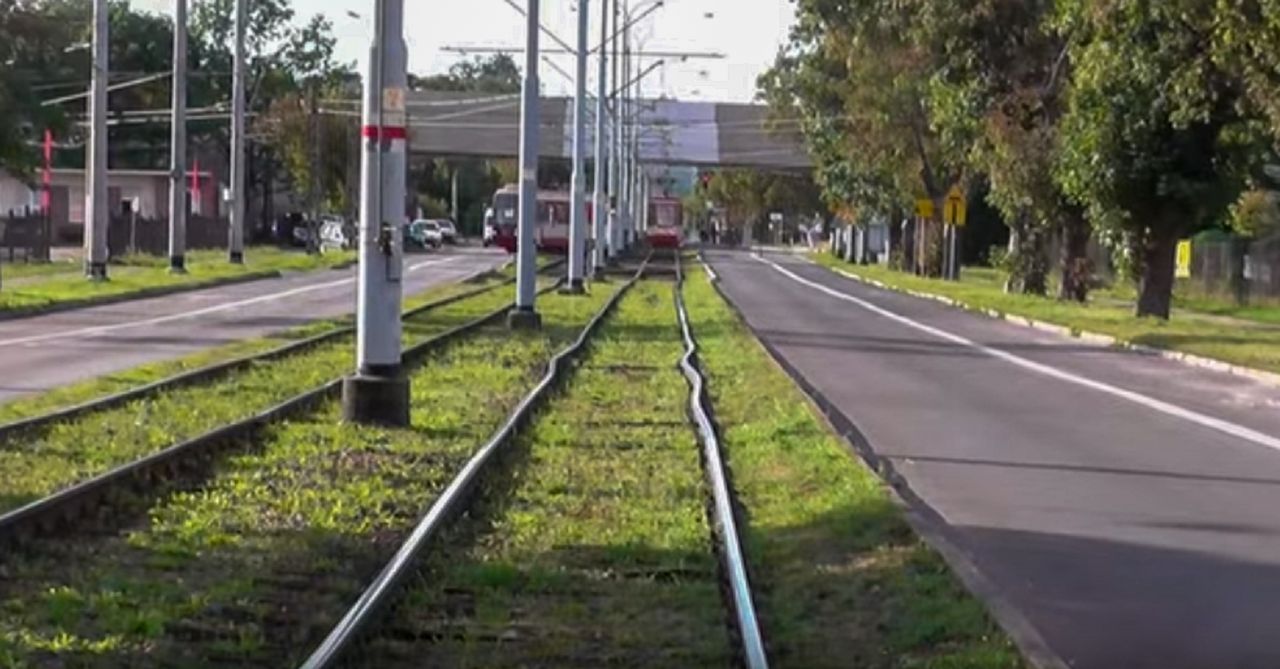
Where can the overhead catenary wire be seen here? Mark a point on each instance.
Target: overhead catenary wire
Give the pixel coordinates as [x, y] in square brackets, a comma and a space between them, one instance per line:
[110, 89]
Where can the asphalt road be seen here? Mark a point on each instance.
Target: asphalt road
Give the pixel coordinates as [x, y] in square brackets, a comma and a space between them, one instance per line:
[1124, 509]
[43, 352]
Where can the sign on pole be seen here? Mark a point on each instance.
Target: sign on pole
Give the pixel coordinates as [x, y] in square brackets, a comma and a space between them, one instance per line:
[1184, 260]
[955, 210]
[924, 208]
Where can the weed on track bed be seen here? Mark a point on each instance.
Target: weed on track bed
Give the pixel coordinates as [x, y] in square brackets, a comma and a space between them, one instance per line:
[36, 464]
[593, 549]
[251, 569]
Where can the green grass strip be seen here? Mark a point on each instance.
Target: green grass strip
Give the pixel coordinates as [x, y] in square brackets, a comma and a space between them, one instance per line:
[594, 549]
[841, 579]
[102, 386]
[134, 274]
[253, 568]
[1251, 343]
[32, 466]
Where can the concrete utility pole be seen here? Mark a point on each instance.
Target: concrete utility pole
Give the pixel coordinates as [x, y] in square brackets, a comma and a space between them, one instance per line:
[239, 74]
[378, 393]
[624, 132]
[615, 151]
[97, 211]
[601, 207]
[578, 185]
[178, 145]
[453, 197]
[525, 315]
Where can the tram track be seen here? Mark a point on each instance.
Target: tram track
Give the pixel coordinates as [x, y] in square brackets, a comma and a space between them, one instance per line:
[238, 569]
[383, 629]
[35, 443]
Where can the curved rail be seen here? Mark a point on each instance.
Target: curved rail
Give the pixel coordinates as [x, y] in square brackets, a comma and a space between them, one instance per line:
[216, 370]
[731, 548]
[48, 511]
[381, 592]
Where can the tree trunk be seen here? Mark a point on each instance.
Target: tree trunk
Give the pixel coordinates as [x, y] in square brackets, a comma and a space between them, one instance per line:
[1077, 270]
[1155, 290]
[1028, 260]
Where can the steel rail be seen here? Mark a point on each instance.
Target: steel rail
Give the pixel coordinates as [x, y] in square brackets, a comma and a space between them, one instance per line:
[45, 513]
[726, 527]
[216, 370]
[379, 595]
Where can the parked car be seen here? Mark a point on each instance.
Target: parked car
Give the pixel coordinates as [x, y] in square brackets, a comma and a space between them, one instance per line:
[336, 233]
[448, 231]
[424, 234]
[291, 229]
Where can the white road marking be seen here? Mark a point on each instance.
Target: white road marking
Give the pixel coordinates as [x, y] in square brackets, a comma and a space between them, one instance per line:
[1226, 427]
[103, 329]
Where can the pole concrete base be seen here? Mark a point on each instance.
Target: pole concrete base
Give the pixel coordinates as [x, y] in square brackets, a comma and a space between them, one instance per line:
[177, 264]
[376, 400]
[574, 287]
[236, 257]
[524, 318]
[96, 271]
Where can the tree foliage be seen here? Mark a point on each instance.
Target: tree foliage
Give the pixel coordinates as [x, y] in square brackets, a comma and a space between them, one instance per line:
[1142, 119]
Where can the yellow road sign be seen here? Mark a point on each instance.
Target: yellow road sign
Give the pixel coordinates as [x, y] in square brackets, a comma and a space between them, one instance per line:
[955, 209]
[924, 208]
[1184, 259]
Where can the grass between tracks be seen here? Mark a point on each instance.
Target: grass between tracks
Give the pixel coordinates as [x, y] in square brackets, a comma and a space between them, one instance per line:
[593, 548]
[36, 464]
[102, 386]
[1240, 341]
[253, 567]
[841, 579]
[137, 274]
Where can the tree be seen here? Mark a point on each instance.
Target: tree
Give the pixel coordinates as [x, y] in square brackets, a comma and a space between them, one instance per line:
[34, 65]
[1156, 141]
[858, 85]
[492, 74]
[1007, 70]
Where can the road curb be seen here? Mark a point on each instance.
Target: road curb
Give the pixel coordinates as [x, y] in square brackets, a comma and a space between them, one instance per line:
[924, 520]
[1190, 359]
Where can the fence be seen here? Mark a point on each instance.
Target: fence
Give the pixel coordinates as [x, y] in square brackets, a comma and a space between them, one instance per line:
[25, 238]
[151, 236]
[1245, 270]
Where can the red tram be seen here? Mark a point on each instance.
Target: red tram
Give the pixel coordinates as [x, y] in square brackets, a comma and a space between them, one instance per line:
[552, 228]
[666, 218]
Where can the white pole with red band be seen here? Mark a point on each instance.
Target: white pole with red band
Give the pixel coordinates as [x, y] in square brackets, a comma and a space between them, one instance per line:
[378, 393]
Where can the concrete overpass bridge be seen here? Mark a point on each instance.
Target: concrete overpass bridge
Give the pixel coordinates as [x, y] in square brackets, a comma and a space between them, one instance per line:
[671, 133]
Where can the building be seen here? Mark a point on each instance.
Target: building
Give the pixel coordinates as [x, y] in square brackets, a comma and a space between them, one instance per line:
[144, 192]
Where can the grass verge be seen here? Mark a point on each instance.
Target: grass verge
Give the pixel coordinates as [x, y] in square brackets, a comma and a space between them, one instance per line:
[253, 567]
[34, 465]
[593, 549]
[1238, 341]
[102, 386]
[140, 274]
[841, 579]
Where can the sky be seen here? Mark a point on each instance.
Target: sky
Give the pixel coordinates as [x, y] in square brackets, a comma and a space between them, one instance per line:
[747, 32]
